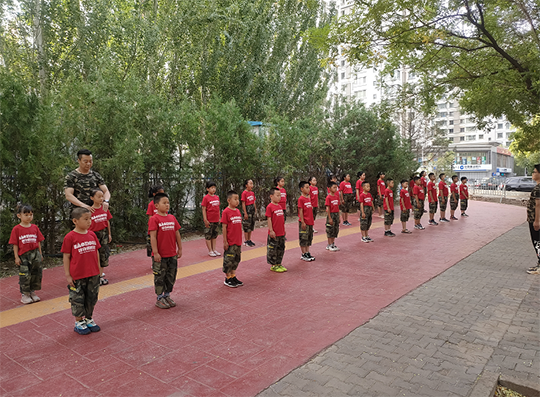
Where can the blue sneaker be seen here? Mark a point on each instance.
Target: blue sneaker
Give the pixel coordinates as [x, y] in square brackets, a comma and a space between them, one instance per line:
[92, 326]
[81, 328]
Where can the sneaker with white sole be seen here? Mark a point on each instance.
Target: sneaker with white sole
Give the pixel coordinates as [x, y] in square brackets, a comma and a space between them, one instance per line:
[334, 248]
[365, 240]
[81, 328]
[212, 253]
[26, 299]
[534, 270]
[328, 247]
[34, 297]
[217, 253]
[311, 258]
[92, 326]
[304, 257]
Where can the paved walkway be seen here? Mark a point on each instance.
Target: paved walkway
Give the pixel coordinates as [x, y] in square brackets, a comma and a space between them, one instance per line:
[229, 342]
[480, 316]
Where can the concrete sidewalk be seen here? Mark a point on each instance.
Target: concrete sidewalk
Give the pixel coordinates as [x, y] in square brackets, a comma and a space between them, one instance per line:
[479, 317]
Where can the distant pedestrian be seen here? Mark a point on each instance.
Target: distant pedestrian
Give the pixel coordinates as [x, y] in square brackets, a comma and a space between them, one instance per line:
[389, 208]
[211, 215]
[443, 197]
[454, 197]
[432, 198]
[418, 203]
[533, 217]
[305, 222]
[275, 247]
[366, 212]
[314, 197]
[101, 226]
[464, 196]
[332, 216]
[405, 205]
[249, 208]
[347, 198]
[231, 221]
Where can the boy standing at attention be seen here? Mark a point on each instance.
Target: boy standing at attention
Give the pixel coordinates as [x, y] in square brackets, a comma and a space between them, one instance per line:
[418, 202]
[164, 232]
[366, 212]
[231, 220]
[443, 197]
[405, 205]
[389, 208]
[101, 226]
[432, 199]
[454, 197]
[210, 212]
[332, 216]
[305, 219]
[379, 196]
[81, 267]
[533, 217]
[275, 247]
[250, 209]
[464, 196]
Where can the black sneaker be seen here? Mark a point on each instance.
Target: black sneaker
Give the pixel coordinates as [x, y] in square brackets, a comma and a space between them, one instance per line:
[443, 220]
[237, 282]
[390, 234]
[465, 215]
[311, 258]
[387, 233]
[453, 218]
[251, 243]
[229, 282]
[304, 257]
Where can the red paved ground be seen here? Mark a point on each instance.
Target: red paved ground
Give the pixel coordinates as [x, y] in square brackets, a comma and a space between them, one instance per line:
[229, 342]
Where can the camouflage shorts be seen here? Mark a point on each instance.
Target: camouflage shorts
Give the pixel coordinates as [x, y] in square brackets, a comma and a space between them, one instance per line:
[433, 207]
[211, 233]
[388, 217]
[315, 209]
[453, 203]
[165, 274]
[378, 201]
[30, 271]
[332, 231]
[418, 212]
[443, 202]
[305, 236]
[231, 258]
[249, 224]
[464, 204]
[275, 249]
[105, 250]
[365, 223]
[348, 203]
[84, 296]
[405, 214]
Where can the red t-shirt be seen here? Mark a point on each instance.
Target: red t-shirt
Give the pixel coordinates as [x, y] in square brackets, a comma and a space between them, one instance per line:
[332, 201]
[26, 238]
[283, 201]
[151, 209]
[314, 196]
[99, 219]
[84, 256]
[304, 203]
[381, 186]
[419, 191]
[345, 187]
[275, 213]
[328, 190]
[463, 192]
[389, 193]
[233, 220]
[359, 186]
[443, 189]
[423, 181]
[366, 199]
[405, 200]
[432, 198]
[166, 227]
[248, 197]
[453, 188]
[212, 207]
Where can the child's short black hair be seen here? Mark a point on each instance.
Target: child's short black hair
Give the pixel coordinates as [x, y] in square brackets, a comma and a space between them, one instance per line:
[209, 184]
[154, 189]
[416, 178]
[78, 212]
[380, 174]
[463, 178]
[344, 176]
[454, 176]
[404, 181]
[422, 173]
[272, 190]
[537, 167]
[431, 173]
[246, 182]
[389, 179]
[310, 179]
[359, 174]
[441, 175]
[231, 193]
[302, 184]
[331, 183]
[23, 208]
[277, 179]
[83, 152]
[365, 183]
[159, 196]
[94, 191]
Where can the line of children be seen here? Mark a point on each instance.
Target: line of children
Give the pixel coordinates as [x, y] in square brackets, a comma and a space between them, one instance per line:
[101, 226]
[332, 216]
[314, 197]
[249, 209]
[211, 216]
[275, 247]
[347, 198]
[366, 212]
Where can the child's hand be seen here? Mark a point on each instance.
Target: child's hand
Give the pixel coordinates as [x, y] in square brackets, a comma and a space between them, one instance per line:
[179, 253]
[225, 246]
[69, 279]
[246, 216]
[364, 215]
[18, 261]
[273, 234]
[303, 225]
[330, 221]
[110, 238]
[157, 257]
[207, 224]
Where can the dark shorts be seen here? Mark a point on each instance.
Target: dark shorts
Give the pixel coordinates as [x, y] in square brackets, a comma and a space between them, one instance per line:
[405, 214]
[443, 202]
[348, 203]
[30, 271]
[231, 258]
[305, 236]
[249, 224]
[105, 250]
[388, 217]
[418, 212]
[365, 223]
[453, 203]
[433, 207]
[464, 204]
[84, 296]
[211, 233]
[165, 274]
[378, 201]
[275, 249]
[315, 209]
[332, 231]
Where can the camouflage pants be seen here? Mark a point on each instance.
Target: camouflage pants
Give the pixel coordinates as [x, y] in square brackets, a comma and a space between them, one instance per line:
[332, 231]
[165, 274]
[315, 212]
[405, 215]
[347, 205]
[453, 203]
[378, 201]
[388, 217]
[464, 204]
[418, 212]
[30, 271]
[105, 250]
[84, 296]
[305, 236]
[443, 202]
[275, 249]
[433, 207]
[365, 223]
[231, 258]
[211, 233]
[249, 224]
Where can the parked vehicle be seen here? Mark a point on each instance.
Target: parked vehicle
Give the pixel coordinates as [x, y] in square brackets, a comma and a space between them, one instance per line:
[520, 183]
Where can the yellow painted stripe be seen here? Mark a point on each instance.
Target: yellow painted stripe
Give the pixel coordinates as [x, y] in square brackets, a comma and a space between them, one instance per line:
[43, 308]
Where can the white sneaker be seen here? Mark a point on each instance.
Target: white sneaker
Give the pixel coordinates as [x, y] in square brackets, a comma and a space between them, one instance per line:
[26, 299]
[315, 231]
[334, 248]
[211, 253]
[328, 247]
[365, 240]
[217, 253]
[34, 297]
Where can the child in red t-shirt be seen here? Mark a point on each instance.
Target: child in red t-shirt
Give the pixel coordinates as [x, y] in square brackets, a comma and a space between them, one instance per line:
[101, 226]
[26, 240]
[454, 197]
[151, 211]
[231, 221]
[405, 205]
[418, 202]
[166, 242]
[210, 213]
[464, 196]
[347, 199]
[388, 205]
[332, 216]
[305, 219]
[366, 212]
[249, 208]
[432, 198]
[361, 175]
[280, 184]
[443, 197]
[423, 183]
[379, 194]
[314, 197]
[275, 247]
[82, 270]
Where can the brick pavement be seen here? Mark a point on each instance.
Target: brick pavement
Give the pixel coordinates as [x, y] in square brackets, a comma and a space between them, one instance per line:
[480, 316]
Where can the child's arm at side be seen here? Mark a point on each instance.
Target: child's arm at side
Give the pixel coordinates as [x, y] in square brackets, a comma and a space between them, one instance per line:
[270, 228]
[330, 221]
[16, 253]
[301, 216]
[109, 228]
[69, 279]
[246, 217]
[362, 209]
[153, 243]
[179, 242]
[401, 202]
[387, 202]
[225, 242]
[205, 218]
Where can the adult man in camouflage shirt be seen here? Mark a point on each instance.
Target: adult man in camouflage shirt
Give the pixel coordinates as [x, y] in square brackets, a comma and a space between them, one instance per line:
[80, 182]
[533, 217]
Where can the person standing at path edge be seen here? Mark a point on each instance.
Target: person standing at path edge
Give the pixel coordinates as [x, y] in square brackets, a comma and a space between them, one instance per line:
[80, 182]
[533, 217]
